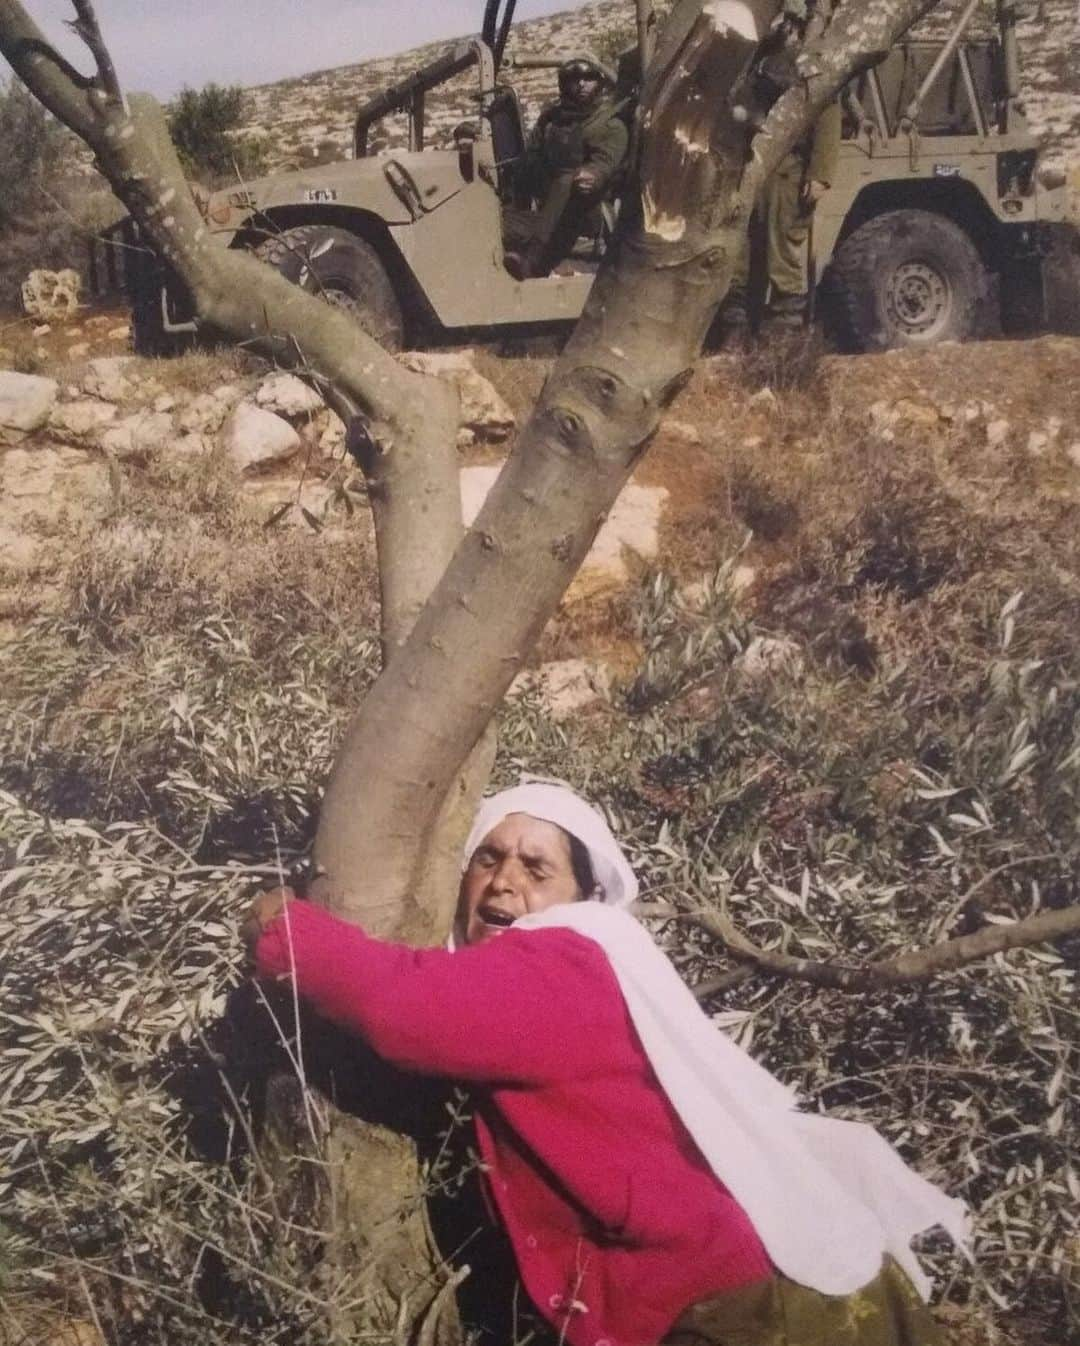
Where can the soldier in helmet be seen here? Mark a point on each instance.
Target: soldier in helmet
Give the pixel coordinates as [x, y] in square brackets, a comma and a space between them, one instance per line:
[789, 197]
[576, 147]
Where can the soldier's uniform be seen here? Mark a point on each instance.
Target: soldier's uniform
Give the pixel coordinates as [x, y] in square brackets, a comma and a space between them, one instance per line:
[566, 140]
[785, 216]
[786, 208]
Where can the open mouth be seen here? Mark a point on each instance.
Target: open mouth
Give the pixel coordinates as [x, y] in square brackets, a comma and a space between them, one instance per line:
[495, 919]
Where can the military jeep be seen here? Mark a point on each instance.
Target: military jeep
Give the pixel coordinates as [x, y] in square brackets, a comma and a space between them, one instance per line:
[938, 227]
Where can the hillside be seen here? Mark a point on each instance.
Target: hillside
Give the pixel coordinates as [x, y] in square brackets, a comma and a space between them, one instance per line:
[309, 118]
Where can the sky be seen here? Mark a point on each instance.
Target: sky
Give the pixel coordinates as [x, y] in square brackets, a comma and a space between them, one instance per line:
[161, 45]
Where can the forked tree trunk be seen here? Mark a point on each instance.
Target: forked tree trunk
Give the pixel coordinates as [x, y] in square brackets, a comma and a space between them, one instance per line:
[385, 856]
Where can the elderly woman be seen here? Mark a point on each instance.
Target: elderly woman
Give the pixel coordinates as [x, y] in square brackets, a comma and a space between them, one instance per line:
[656, 1184]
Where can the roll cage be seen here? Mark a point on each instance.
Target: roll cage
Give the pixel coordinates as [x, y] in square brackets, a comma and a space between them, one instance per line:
[408, 96]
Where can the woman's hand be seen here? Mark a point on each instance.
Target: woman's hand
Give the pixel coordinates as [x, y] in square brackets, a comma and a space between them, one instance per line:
[267, 907]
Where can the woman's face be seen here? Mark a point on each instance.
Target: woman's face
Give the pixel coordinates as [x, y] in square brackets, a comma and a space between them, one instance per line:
[521, 867]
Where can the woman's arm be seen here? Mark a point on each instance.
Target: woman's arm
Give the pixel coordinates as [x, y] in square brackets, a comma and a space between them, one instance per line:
[524, 1007]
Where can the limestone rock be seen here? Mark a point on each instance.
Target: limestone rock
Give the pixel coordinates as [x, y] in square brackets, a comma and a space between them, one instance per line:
[143, 433]
[567, 686]
[997, 433]
[191, 445]
[52, 296]
[26, 402]
[203, 415]
[256, 438]
[332, 437]
[288, 396]
[633, 525]
[682, 431]
[769, 656]
[81, 421]
[485, 414]
[107, 378]
[44, 484]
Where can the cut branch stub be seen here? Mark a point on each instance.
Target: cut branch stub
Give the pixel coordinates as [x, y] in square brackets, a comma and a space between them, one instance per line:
[694, 146]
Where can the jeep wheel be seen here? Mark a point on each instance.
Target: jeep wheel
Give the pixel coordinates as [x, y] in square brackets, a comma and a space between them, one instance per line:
[906, 278]
[345, 270]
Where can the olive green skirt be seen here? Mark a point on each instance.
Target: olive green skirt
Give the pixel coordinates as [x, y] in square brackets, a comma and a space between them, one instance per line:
[777, 1312]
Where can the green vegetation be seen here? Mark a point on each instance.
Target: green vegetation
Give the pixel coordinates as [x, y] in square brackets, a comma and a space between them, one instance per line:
[205, 127]
[34, 150]
[48, 209]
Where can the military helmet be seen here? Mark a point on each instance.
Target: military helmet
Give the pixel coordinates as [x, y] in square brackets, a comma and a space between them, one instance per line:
[583, 67]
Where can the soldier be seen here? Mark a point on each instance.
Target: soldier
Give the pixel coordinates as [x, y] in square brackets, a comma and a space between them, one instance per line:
[788, 203]
[576, 147]
[786, 209]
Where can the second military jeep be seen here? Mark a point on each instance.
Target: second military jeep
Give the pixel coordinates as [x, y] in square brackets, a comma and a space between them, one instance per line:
[939, 225]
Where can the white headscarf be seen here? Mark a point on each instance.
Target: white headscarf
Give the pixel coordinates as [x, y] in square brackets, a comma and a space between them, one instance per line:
[828, 1198]
[560, 805]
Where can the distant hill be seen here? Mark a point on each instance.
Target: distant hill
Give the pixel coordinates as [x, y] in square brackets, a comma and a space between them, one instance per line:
[310, 118]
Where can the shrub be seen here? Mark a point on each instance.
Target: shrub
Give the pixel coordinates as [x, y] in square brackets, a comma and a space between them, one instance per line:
[205, 127]
[49, 204]
[35, 150]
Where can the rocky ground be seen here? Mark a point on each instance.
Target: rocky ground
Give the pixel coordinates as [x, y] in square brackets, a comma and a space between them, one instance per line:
[87, 428]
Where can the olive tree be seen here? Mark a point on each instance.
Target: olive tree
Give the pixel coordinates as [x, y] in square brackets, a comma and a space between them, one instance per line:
[462, 610]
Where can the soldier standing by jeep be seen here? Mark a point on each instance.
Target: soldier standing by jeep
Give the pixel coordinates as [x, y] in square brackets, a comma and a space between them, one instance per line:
[576, 147]
[787, 207]
[785, 212]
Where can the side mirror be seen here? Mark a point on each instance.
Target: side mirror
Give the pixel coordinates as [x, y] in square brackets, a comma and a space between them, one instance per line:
[465, 135]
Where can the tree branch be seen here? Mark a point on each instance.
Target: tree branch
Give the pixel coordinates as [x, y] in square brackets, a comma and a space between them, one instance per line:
[859, 33]
[87, 27]
[912, 968]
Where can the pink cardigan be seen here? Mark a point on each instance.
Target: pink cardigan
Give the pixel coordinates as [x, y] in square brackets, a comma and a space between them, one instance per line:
[617, 1223]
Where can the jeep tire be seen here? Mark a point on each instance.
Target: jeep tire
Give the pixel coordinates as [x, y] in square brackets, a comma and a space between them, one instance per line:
[343, 269]
[906, 278]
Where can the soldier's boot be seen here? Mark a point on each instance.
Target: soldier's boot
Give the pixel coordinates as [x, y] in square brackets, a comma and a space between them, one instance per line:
[733, 321]
[787, 311]
[526, 261]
